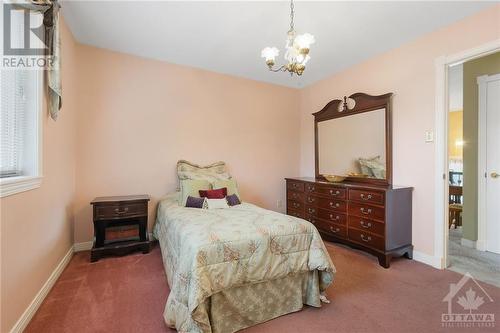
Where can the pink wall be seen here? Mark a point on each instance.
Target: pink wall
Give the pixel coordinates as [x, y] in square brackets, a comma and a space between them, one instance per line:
[408, 72]
[37, 225]
[139, 116]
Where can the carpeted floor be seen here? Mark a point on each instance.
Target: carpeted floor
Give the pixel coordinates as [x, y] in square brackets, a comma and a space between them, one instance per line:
[483, 265]
[128, 294]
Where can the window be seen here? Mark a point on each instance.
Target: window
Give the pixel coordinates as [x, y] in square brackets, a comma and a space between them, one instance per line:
[19, 125]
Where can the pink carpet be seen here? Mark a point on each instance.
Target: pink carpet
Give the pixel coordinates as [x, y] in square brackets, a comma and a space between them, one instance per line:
[128, 294]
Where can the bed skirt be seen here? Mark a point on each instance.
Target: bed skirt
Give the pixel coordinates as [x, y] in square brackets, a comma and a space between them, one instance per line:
[244, 306]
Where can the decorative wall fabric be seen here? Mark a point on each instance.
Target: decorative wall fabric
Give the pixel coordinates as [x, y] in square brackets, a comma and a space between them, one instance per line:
[50, 11]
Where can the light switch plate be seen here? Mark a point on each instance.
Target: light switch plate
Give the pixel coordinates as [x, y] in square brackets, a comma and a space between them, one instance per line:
[429, 136]
[279, 203]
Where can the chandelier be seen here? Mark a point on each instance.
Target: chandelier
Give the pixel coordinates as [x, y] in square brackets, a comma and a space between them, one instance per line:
[297, 50]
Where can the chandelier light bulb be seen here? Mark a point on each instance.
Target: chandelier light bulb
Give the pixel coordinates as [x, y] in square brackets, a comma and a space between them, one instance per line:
[270, 53]
[304, 41]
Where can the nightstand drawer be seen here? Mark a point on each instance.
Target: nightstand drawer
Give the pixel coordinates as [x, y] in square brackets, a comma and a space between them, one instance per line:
[114, 211]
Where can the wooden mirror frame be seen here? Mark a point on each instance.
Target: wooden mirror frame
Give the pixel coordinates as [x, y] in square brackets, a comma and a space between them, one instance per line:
[364, 103]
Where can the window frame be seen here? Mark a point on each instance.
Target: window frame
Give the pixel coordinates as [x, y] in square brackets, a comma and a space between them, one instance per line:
[17, 184]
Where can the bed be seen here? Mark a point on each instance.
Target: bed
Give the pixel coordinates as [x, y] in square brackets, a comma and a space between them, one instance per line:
[229, 269]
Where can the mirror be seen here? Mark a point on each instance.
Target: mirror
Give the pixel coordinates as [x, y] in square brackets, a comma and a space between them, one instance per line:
[355, 142]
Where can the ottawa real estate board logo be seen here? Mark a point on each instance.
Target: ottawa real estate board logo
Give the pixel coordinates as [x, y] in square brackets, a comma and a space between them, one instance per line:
[467, 302]
[23, 44]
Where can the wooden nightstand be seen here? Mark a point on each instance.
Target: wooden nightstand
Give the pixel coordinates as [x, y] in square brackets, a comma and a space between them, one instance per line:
[125, 216]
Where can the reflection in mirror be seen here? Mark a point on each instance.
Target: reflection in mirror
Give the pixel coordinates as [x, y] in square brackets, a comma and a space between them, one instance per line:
[353, 145]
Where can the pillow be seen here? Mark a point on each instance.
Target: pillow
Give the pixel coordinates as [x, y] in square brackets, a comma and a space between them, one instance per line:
[192, 187]
[233, 200]
[194, 202]
[214, 194]
[217, 203]
[212, 172]
[364, 164]
[230, 184]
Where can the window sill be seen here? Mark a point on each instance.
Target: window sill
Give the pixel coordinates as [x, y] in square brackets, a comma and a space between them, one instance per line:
[14, 185]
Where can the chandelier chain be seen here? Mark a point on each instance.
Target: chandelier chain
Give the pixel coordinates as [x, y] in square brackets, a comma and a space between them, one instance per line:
[292, 14]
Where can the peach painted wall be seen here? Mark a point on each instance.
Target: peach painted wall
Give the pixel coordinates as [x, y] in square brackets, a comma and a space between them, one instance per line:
[37, 225]
[408, 72]
[139, 116]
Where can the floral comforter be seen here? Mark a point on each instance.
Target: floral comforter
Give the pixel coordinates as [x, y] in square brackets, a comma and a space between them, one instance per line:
[208, 251]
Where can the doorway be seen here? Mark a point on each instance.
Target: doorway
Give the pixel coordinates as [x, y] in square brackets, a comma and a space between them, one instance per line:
[473, 127]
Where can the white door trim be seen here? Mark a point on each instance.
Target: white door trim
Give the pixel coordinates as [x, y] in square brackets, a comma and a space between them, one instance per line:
[441, 136]
[481, 204]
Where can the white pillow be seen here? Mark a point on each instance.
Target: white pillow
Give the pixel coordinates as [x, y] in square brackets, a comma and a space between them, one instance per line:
[217, 203]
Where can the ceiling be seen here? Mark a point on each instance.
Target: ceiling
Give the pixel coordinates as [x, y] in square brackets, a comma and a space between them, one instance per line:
[227, 36]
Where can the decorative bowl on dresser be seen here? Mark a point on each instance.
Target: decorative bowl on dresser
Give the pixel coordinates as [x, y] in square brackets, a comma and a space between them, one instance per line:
[120, 225]
[365, 211]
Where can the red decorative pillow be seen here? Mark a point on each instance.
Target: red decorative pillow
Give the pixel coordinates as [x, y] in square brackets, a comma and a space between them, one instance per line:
[214, 194]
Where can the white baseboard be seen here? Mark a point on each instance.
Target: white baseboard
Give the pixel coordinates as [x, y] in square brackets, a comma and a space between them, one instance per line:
[25, 318]
[481, 245]
[428, 259]
[468, 243]
[84, 246]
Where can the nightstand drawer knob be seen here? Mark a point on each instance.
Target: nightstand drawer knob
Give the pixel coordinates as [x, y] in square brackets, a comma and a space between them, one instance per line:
[118, 211]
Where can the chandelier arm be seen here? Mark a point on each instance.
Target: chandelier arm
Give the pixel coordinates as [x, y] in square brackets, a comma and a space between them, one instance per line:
[280, 69]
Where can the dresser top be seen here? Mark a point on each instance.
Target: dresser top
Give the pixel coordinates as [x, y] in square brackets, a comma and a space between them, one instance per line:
[122, 198]
[348, 184]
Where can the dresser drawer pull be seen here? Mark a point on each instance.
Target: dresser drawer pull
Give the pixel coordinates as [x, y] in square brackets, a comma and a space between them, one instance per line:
[365, 238]
[334, 204]
[334, 218]
[296, 205]
[312, 210]
[295, 195]
[366, 212]
[118, 211]
[334, 230]
[310, 188]
[365, 225]
[311, 220]
[334, 193]
[294, 185]
[368, 197]
[310, 199]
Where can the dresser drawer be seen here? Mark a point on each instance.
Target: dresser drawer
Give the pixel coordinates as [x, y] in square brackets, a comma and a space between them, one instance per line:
[332, 204]
[337, 230]
[327, 191]
[367, 225]
[295, 205]
[374, 197]
[327, 215]
[114, 211]
[296, 186]
[295, 213]
[334, 217]
[366, 238]
[366, 211]
[294, 195]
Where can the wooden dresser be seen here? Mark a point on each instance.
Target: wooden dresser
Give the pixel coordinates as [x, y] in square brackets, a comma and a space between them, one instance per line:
[376, 219]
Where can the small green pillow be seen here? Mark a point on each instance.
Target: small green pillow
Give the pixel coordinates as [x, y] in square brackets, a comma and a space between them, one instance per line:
[230, 184]
[191, 187]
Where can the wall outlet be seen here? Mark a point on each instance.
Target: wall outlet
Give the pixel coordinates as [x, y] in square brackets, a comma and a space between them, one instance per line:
[279, 203]
[429, 136]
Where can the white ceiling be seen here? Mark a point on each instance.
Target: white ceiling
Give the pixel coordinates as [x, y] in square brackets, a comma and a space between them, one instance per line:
[227, 37]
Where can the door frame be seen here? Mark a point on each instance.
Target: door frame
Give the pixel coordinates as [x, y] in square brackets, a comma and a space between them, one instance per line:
[441, 216]
[482, 227]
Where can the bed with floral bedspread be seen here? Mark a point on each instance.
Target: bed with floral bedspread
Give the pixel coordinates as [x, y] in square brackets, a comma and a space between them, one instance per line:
[232, 268]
